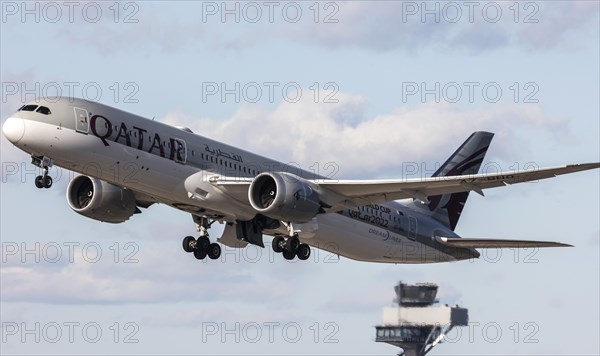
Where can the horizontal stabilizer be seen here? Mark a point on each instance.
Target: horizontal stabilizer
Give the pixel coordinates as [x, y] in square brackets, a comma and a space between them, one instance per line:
[496, 243]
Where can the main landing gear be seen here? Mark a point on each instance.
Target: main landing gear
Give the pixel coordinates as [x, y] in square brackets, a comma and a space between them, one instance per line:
[43, 181]
[291, 246]
[202, 246]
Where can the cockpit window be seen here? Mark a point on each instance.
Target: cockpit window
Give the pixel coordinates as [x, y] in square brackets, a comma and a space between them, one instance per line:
[28, 108]
[43, 110]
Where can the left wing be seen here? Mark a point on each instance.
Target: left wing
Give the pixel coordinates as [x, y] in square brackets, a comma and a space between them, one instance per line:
[381, 191]
[344, 193]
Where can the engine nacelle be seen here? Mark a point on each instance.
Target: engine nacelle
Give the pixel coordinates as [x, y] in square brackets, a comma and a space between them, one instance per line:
[99, 200]
[285, 197]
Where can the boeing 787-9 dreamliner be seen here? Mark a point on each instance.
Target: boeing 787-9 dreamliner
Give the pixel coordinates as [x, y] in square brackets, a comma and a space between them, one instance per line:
[128, 162]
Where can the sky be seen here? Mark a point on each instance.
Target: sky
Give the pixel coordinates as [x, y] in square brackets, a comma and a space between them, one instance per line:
[357, 89]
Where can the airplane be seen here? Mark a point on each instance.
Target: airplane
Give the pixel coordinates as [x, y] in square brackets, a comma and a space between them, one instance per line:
[128, 162]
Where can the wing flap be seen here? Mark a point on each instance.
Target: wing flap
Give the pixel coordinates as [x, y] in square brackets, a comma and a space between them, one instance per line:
[229, 237]
[496, 243]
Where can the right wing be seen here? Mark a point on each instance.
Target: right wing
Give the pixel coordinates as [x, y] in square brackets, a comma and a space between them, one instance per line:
[463, 242]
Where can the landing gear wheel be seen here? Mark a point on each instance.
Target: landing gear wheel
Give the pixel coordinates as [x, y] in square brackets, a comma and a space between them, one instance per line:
[47, 181]
[188, 243]
[200, 254]
[204, 242]
[303, 252]
[292, 244]
[288, 255]
[214, 251]
[277, 244]
[39, 182]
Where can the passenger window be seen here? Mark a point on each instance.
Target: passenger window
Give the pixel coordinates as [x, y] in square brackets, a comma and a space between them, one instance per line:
[43, 110]
[29, 108]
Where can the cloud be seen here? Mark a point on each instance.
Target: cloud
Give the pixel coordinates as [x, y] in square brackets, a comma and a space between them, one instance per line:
[363, 301]
[407, 26]
[146, 36]
[307, 133]
[152, 279]
[411, 26]
[559, 23]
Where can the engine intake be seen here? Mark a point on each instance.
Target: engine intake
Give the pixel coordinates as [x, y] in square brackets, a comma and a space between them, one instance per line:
[99, 200]
[284, 196]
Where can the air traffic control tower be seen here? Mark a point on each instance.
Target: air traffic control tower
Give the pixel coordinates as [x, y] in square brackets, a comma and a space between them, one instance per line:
[415, 324]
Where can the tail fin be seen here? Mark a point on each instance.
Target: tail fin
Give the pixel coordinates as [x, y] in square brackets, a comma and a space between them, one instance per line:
[466, 160]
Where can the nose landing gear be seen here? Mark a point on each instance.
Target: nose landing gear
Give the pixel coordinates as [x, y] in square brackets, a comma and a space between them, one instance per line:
[43, 181]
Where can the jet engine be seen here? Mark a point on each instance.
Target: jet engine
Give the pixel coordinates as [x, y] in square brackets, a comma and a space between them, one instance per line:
[99, 200]
[285, 197]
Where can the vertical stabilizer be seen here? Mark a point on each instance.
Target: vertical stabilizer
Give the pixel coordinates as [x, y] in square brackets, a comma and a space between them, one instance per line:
[466, 160]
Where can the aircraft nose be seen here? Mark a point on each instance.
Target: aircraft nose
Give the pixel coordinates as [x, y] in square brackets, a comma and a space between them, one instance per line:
[13, 129]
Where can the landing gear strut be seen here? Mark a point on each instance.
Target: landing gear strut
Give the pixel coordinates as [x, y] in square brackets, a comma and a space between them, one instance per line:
[202, 246]
[43, 181]
[291, 246]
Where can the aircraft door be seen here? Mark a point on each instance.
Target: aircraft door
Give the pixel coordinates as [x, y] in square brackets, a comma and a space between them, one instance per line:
[81, 121]
[412, 228]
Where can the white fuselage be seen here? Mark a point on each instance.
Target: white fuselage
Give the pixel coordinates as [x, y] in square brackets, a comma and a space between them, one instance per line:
[124, 149]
